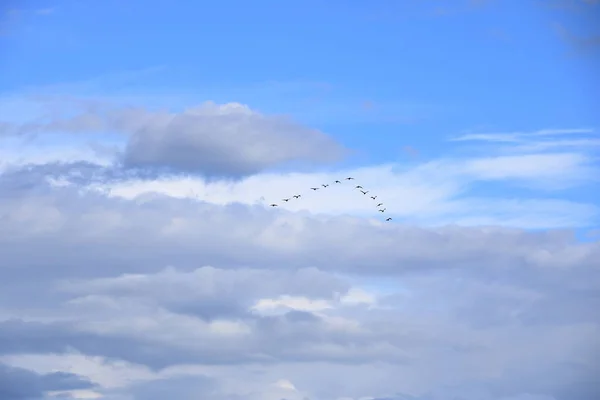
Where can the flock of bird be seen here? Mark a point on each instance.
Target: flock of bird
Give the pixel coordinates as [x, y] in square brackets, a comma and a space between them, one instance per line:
[325, 185]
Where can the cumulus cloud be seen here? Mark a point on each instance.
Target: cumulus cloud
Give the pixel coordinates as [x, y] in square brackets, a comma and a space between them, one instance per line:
[210, 139]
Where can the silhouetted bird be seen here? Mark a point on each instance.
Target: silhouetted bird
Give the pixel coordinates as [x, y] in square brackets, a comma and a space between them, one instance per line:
[286, 199]
[338, 182]
[315, 188]
[359, 187]
[297, 196]
[349, 178]
[379, 205]
[382, 210]
[364, 192]
[324, 185]
[388, 219]
[373, 197]
[273, 205]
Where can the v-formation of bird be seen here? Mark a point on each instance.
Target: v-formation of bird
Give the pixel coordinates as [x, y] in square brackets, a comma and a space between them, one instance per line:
[325, 185]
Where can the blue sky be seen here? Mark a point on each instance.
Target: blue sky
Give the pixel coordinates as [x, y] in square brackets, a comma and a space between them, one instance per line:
[141, 143]
[453, 65]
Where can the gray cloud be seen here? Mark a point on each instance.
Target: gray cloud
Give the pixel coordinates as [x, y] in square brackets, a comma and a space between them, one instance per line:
[213, 140]
[476, 313]
[188, 388]
[22, 384]
[293, 337]
[110, 235]
[20, 337]
[209, 292]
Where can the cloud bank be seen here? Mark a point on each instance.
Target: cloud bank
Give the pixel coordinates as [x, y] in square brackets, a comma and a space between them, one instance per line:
[121, 281]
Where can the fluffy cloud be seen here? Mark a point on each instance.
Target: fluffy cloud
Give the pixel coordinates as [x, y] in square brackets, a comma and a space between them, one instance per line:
[210, 139]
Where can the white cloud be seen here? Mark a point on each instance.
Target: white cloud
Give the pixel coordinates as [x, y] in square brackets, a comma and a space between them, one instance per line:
[285, 384]
[430, 193]
[580, 142]
[532, 167]
[519, 136]
[356, 296]
[292, 303]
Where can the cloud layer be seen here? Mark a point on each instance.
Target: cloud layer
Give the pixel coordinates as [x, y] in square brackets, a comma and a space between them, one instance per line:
[127, 283]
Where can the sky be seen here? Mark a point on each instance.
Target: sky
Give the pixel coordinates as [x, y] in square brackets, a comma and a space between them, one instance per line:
[142, 144]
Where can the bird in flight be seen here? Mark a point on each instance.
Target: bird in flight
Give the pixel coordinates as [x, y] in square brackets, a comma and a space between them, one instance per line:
[388, 219]
[324, 185]
[373, 197]
[315, 188]
[297, 196]
[364, 191]
[349, 178]
[379, 205]
[273, 205]
[382, 210]
[338, 182]
[286, 199]
[359, 187]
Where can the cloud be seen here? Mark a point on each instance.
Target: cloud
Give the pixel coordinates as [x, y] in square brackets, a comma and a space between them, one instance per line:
[21, 384]
[520, 136]
[44, 11]
[533, 166]
[210, 139]
[188, 315]
[539, 153]
[178, 230]
[582, 140]
[155, 284]
[432, 192]
[581, 43]
[477, 3]
[571, 5]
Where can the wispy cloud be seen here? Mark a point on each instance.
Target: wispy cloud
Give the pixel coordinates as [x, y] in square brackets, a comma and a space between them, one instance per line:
[520, 136]
[558, 144]
[582, 44]
[571, 5]
[582, 140]
[44, 11]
